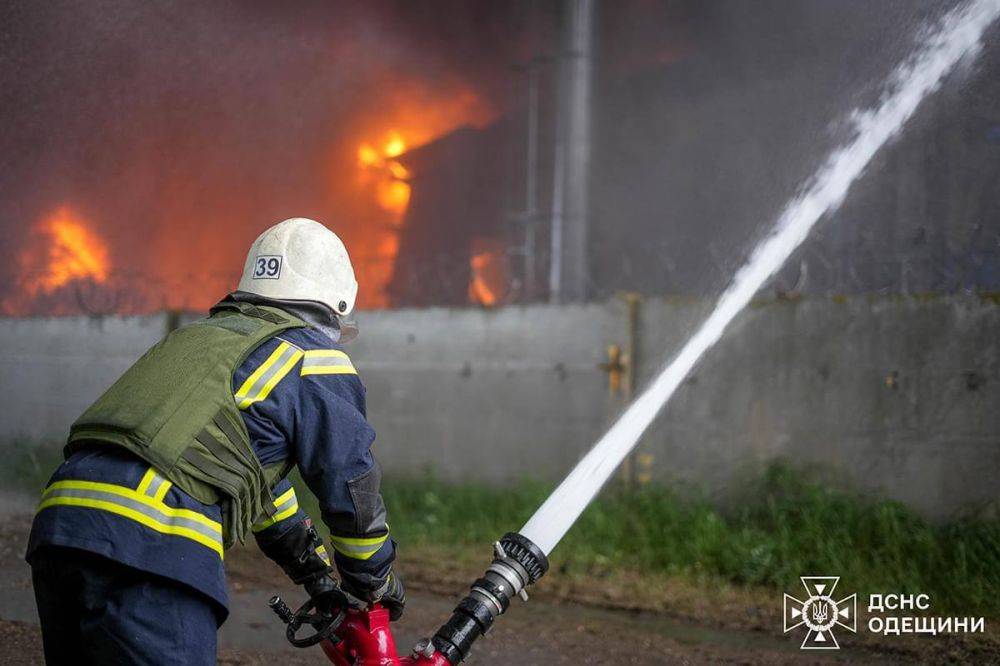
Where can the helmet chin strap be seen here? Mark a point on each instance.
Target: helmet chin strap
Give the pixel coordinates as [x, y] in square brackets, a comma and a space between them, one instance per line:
[337, 328]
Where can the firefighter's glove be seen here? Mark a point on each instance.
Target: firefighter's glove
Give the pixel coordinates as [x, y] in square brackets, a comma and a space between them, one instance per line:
[299, 553]
[394, 598]
[364, 587]
[325, 593]
[368, 589]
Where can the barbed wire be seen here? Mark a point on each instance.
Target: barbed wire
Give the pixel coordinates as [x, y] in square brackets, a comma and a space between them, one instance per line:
[447, 278]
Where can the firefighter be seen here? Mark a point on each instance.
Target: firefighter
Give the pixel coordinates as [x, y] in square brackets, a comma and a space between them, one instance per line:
[188, 452]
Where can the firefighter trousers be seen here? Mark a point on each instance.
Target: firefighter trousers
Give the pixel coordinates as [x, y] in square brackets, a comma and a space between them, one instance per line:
[94, 610]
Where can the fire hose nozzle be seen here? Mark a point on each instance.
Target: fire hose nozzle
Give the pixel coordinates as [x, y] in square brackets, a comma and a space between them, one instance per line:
[517, 563]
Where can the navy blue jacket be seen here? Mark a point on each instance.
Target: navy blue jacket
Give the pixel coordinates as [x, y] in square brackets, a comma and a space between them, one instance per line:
[309, 408]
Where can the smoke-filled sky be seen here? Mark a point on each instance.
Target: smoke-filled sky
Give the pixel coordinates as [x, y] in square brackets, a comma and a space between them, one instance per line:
[179, 130]
[165, 136]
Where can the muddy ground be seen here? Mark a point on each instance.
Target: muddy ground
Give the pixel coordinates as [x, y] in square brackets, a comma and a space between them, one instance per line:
[609, 627]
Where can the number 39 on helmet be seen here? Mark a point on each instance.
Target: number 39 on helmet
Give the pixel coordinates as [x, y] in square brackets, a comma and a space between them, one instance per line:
[301, 260]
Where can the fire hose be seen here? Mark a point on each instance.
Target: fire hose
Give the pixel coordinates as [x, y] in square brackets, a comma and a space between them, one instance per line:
[355, 637]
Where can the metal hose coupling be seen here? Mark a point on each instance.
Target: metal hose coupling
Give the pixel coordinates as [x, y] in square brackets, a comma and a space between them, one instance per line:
[517, 563]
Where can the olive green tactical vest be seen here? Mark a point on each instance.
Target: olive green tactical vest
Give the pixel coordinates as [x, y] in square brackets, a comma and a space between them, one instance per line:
[175, 409]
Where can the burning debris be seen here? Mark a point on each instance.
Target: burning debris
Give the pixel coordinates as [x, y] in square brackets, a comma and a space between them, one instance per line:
[488, 271]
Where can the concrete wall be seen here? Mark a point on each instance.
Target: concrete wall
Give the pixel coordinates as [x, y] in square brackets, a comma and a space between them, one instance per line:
[896, 396]
[901, 397]
[51, 369]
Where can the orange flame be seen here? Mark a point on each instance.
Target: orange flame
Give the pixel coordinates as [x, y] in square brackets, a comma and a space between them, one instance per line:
[409, 116]
[71, 252]
[391, 189]
[487, 272]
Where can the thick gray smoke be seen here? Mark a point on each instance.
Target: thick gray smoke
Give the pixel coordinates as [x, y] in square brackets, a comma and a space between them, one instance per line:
[180, 130]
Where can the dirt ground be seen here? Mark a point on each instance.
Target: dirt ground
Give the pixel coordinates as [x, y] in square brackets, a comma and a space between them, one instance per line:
[609, 627]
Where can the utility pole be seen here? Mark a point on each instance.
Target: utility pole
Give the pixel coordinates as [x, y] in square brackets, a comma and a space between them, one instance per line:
[568, 267]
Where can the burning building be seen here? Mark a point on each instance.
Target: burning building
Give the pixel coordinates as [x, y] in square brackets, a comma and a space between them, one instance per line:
[454, 240]
[174, 148]
[495, 153]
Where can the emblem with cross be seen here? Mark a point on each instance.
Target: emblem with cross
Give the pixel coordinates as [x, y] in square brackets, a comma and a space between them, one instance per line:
[820, 613]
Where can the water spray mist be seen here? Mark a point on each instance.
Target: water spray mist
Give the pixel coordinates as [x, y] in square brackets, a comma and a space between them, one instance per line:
[522, 558]
[958, 36]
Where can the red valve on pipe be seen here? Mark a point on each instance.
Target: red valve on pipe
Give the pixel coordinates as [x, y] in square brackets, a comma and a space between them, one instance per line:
[366, 640]
[351, 636]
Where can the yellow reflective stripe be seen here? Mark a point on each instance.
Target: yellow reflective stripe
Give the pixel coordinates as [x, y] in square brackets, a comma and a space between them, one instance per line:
[147, 479]
[329, 370]
[255, 375]
[138, 505]
[355, 548]
[151, 523]
[263, 380]
[287, 513]
[285, 505]
[289, 364]
[327, 362]
[361, 541]
[321, 353]
[161, 492]
[154, 485]
[321, 551]
[351, 541]
[284, 497]
[134, 495]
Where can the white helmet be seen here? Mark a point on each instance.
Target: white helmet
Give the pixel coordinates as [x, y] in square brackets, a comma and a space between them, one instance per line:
[301, 260]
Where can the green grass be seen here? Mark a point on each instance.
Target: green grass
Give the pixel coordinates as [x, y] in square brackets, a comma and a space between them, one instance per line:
[783, 528]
